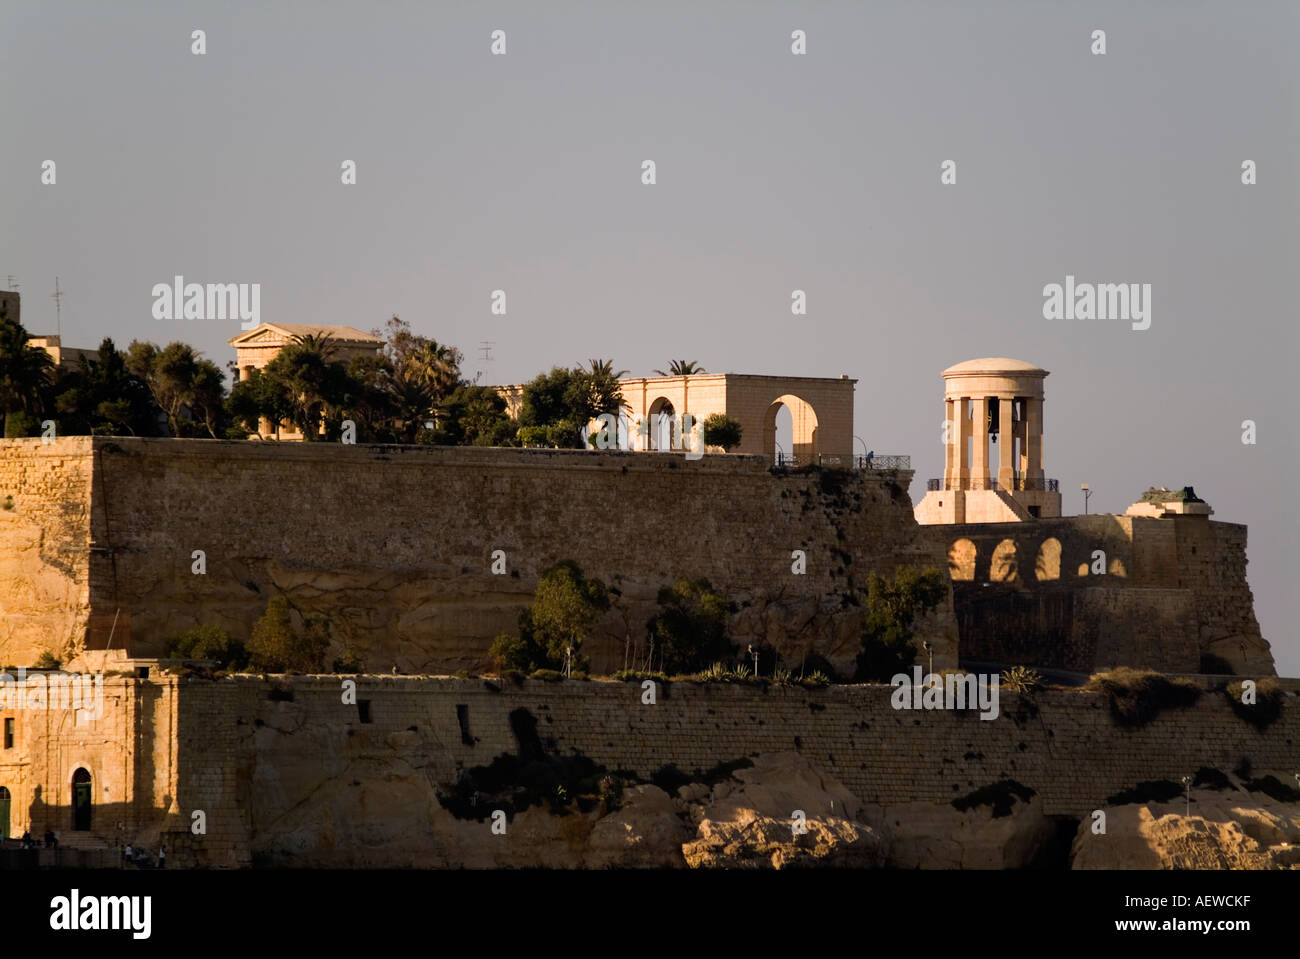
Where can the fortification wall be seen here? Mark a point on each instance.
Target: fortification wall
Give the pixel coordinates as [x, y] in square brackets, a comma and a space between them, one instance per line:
[394, 545]
[1173, 590]
[302, 775]
[45, 495]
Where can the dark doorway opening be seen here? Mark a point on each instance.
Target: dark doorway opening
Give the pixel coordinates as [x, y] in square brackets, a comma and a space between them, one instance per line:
[81, 800]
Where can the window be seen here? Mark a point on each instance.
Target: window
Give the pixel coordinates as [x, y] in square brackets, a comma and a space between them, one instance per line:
[363, 710]
[9, 732]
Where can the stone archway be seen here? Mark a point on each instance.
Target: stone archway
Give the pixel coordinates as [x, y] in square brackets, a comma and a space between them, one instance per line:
[804, 446]
[82, 799]
[663, 431]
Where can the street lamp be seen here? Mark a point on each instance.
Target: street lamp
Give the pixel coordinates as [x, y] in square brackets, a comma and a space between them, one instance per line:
[1086, 494]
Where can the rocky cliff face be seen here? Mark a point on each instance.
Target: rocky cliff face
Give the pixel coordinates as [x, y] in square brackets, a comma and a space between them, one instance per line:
[780, 811]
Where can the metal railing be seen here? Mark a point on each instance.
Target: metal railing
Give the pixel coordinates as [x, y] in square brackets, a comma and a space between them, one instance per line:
[1020, 484]
[843, 461]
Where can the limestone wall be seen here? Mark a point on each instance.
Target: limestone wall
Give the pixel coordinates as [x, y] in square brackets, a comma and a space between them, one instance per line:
[127, 745]
[45, 496]
[393, 545]
[1172, 590]
[291, 771]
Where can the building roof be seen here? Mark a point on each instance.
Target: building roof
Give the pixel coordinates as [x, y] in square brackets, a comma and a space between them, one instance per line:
[994, 364]
[340, 334]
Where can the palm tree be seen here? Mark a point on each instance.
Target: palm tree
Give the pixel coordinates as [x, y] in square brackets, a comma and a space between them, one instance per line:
[682, 368]
[604, 368]
[435, 367]
[320, 343]
[25, 373]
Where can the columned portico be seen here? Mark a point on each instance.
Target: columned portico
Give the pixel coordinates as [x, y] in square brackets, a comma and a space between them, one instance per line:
[996, 402]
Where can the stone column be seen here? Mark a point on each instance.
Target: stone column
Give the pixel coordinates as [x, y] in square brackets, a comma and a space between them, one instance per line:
[1006, 444]
[979, 466]
[962, 474]
[1034, 439]
[951, 433]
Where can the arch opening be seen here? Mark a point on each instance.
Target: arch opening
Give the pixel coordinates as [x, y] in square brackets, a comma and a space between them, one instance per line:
[81, 800]
[802, 438]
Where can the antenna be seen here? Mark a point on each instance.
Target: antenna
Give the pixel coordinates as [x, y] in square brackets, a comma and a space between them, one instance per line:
[57, 297]
[12, 285]
[485, 351]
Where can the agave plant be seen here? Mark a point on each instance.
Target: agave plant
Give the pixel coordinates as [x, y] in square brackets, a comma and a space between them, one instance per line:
[1021, 679]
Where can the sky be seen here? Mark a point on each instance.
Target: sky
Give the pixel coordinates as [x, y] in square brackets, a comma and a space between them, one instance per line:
[775, 172]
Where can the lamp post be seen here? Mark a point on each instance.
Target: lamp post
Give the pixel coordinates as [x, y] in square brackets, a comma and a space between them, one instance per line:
[1187, 781]
[1087, 493]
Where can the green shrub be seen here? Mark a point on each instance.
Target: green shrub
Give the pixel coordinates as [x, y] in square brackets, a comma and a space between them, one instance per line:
[350, 662]
[1138, 696]
[892, 608]
[689, 630]
[816, 678]
[722, 430]
[547, 675]
[638, 675]
[277, 647]
[207, 642]
[1269, 699]
[47, 660]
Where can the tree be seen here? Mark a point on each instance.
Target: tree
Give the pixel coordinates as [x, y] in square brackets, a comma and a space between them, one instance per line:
[566, 606]
[563, 401]
[187, 388]
[259, 396]
[26, 373]
[102, 397]
[277, 647]
[315, 387]
[892, 608]
[682, 368]
[690, 630]
[721, 430]
[473, 416]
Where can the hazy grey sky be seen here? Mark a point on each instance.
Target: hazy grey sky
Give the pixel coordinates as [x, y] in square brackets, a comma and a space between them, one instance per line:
[775, 172]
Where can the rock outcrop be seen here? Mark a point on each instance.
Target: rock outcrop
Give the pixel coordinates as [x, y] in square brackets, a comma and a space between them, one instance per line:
[1234, 830]
[781, 811]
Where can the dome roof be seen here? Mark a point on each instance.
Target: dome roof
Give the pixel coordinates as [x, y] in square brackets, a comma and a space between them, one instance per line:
[995, 364]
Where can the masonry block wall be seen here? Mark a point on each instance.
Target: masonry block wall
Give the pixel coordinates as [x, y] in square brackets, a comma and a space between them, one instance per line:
[394, 545]
[290, 770]
[45, 495]
[1172, 590]
[128, 750]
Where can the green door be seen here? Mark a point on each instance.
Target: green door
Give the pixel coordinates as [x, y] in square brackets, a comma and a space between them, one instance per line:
[4, 813]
